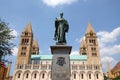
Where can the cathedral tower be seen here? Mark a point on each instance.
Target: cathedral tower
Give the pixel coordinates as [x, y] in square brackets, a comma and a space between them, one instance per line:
[24, 50]
[92, 46]
[83, 48]
[35, 47]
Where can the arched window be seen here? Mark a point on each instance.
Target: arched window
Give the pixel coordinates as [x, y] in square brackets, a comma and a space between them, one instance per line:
[97, 76]
[33, 48]
[83, 53]
[90, 41]
[94, 54]
[27, 40]
[19, 75]
[26, 33]
[23, 48]
[35, 75]
[23, 41]
[23, 53]
[43, 76]
[89, 76]
[84, 48]
[20, 67]
[91, 34]
[74, 76]
[82, 76]
[94, 41]
[33, 52]
[27, 75]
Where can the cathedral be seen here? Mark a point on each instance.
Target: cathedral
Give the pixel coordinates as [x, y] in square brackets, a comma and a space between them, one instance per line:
[30, 65]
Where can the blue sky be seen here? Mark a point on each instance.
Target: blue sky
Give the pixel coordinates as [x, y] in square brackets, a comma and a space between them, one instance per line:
[104, 15]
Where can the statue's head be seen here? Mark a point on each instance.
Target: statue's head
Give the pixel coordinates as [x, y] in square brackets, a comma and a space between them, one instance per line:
[61, 15]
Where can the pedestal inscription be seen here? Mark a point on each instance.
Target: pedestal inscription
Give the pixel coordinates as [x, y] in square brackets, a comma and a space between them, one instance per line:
[60, 62]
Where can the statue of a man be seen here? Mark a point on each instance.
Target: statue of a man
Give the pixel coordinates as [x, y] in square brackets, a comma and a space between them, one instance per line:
[61, 27]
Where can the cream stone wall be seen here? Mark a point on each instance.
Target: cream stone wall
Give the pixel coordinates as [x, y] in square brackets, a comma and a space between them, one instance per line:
[43, 71]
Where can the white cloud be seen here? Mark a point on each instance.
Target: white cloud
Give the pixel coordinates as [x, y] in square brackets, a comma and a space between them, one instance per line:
[109, 59]
[107, 37]
[107, 42]
[110, 50]
[54, 3]
[76, 52]
[108, 47]
[15, 51]
[14, 32]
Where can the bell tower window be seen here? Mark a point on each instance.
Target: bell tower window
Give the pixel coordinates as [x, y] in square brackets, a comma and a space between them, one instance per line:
[84, 48]
[83, 53]
[94, 54]
[25, 41]
[33, 48]
[93, 49]
[91, 34]
[23, 48]
[90, 41]
[26, 33]
[23, 53]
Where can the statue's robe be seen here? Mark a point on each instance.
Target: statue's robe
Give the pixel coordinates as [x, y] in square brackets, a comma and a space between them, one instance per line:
[62, 27]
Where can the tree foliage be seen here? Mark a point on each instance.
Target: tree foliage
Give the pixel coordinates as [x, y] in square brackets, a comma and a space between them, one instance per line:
[117, 78]
[105, 78]
[6, 44]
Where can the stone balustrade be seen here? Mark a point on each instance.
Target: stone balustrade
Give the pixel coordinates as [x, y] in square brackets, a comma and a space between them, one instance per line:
[48, 67]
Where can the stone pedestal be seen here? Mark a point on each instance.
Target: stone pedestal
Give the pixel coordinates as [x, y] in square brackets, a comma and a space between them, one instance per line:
[61, 62]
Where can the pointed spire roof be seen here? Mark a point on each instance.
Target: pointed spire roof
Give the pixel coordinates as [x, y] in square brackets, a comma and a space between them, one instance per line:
[28, 28]
[35, 43]
[83, 43]
[89, 28]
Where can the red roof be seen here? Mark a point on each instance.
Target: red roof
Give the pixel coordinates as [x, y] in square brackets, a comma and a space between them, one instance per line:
[117, 66]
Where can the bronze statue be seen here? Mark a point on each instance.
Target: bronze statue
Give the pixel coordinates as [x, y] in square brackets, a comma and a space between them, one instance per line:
[61, 27]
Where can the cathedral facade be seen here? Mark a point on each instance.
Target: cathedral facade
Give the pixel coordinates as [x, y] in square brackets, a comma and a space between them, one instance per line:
[30, 65]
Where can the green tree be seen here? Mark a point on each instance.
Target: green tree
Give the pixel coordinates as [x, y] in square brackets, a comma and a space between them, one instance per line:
[105, 78]
[117, 78]
[6, 44]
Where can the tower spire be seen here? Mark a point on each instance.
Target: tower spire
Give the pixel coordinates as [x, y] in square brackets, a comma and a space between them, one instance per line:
[28, 28]
[35, 47]
[89, 28]
[83, 47]
[83, 43]
[35, 43]
[24, 50]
